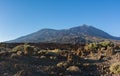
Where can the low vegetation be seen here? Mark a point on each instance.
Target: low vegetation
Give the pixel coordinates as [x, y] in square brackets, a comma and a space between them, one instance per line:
[115, 67]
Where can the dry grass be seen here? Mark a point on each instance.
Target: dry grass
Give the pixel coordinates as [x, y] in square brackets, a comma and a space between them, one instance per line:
[115, 68]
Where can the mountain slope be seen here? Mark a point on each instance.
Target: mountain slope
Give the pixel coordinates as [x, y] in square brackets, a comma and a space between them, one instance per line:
[73, 35]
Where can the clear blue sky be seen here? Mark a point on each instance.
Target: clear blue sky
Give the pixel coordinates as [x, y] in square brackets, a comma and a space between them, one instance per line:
[22, 17]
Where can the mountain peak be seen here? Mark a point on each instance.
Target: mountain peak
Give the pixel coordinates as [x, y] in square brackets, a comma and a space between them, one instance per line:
[84, 25]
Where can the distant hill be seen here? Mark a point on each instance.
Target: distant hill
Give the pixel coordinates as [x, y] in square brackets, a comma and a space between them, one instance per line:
[78, 34]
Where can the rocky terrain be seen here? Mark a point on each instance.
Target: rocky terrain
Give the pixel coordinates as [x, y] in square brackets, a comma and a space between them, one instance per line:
[27, 59]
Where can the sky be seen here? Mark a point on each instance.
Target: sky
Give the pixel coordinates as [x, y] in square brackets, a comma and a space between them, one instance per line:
[22, 17]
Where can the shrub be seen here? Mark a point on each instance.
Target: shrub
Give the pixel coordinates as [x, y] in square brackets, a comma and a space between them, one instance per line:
[28, 50]
[18, 48]
[63, 64]
[73, 69]
[57, 51]
[115, 68]
[54, 52]
[105, 44]
[42, 57]
[91, 47]
[13, 55]
[19, 53]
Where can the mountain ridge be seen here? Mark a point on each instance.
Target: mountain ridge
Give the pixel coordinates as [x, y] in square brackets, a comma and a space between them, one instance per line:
[77, 34]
